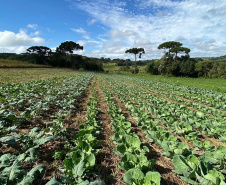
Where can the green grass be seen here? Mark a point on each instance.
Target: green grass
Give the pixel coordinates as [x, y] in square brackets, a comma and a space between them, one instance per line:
[4, 63]
[215, 84]
[112, 68]
[18, 71]
[16, 75]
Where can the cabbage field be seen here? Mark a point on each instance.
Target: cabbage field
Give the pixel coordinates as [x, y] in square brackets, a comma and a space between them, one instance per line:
[96, 129]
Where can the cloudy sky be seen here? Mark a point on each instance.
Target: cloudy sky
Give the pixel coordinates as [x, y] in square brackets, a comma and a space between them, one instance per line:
[106, 28]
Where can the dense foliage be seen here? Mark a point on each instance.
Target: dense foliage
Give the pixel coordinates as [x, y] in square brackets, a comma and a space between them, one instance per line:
[173, 65]
[62, 57]
[188, 67]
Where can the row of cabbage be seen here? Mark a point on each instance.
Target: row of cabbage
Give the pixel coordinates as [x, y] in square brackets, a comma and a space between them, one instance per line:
[176, 126]
[178, 111]
[80, 151]
[139, 169]
[25, 104]
[210, 98]
[39, 99]
[208, 168]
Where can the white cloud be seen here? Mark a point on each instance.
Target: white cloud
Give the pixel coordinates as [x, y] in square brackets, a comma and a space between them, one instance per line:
[9, 38]
[89, 43]
[11, 49]
[198, 24]
[36, 33]
[20, 49]
[91, 21]
[119, 33]
[32, 26]
[81, 31]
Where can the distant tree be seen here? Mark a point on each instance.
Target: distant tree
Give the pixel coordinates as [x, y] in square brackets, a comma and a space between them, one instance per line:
[203, 67]
[162, 65]
[171, 64]
[187, 68]
[136, 51]
[42, 52]
[218, 70]
[152, 67]
[179, 49]
[169, 45]
[66, 48]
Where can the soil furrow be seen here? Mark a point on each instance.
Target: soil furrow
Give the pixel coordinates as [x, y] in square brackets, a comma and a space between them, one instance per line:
[106, 158]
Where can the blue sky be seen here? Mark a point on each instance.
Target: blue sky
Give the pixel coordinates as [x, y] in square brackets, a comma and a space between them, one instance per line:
[106, 28]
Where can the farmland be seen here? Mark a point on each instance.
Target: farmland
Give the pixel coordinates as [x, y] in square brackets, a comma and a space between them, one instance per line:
[91, 128]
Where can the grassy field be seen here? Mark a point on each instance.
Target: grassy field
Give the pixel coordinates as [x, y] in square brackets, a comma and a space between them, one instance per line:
[16, 71]
[29, 74]
[18, 64]
[215, 84]
[112, 68]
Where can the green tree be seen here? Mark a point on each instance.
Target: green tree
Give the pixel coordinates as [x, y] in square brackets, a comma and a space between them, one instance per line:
[218, 70]
[68, 47]
[179, 49]
[65, 49]
[136, 51]
[152, 67]
[42, 50]
[42, 53]
[187, 68]
[162, 65]
[169, 45]
[203, 68]
[171, 64]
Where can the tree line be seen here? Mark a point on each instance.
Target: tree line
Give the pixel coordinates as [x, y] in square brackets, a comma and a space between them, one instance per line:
[176, 61]
[63, 57]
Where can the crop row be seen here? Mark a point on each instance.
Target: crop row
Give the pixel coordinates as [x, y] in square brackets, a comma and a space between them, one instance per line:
[22, 146]
[139, 169]
[80, 151]
[37, 115]
[201, 96]
[201, 167]
[172, 112]
[41, 99]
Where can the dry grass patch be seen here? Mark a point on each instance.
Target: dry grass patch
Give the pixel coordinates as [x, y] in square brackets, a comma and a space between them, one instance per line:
[17, 75]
